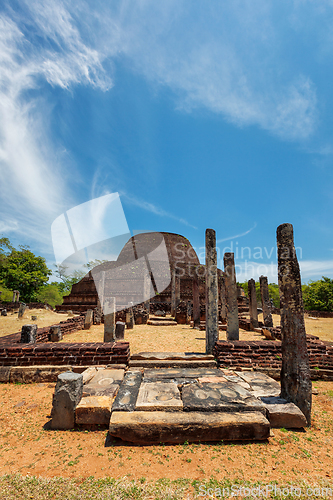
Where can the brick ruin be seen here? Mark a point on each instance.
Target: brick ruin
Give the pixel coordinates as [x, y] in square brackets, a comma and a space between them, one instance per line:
[182, 258]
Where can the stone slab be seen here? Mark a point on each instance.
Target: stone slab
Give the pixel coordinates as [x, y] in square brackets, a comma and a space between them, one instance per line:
[176, 373]
[171, 356]
[232, 377]
[93, 410]
[164, 427]
[262, 385]
[109, 390]
[284, 414]
[128, 392]
[161, 323]
[88, 374]
[107, 377]
[172, 363]
[223, 396]
[162, 396]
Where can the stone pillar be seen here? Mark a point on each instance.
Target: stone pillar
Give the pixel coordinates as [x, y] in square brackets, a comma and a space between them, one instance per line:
[188, 312]
[98, 313]
[266, 303]
[17, 296]
[55, 333]
[4, 312]
[14, 296]
[88, 320]
[120, 330]
[28, 334]
[129, 317]
[110, 321]
[177, 291]
[253, 306]
[22, 309]
[223, 300]
[212, 326]
[231, 297]
[295, 373]
[146, 292]
[196, 301]
[173, 293]
[67, 395]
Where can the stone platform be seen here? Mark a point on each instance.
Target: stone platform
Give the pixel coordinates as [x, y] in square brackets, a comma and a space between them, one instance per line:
[173, 405]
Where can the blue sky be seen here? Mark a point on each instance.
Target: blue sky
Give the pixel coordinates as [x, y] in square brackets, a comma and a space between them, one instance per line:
[200, 114]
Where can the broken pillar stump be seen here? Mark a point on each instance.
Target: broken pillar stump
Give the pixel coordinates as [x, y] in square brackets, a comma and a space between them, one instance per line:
[120, 330]
[110, 320]
[296, 384]
[22, 309]
[55, 333]
[67, 395]
[88, 320]
[28, 334]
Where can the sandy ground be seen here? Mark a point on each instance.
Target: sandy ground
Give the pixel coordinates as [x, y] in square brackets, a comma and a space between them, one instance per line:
[26, 447]
[11, 323]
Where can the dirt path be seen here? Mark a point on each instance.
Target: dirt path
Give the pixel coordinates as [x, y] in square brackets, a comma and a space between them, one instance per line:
[26, 447]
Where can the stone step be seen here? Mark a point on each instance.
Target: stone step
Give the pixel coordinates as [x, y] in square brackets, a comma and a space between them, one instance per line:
[154, 427]
[156, 322]
[161, 318]
[186, 356]
[172, 363]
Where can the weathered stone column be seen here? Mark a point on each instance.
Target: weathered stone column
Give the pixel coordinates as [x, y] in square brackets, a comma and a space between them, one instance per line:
[177, 291]
[196, 301]
[253, 305]
[212, 326]
[110, 321]
[22, 309]
[88, 320]
[295, 373]
[173, 292]
[28, 334]
[17, 296]
[67, 395]
[223, 299]
[231, 297]
[146, 292]
[188, 312]
[14, 296]
[266, 303]
[129, 317]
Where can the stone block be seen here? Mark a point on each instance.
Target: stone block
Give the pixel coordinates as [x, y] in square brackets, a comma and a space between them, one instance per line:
[5, 373]
[128, 392]
[88, 374]
[4, 312]
[88, 320]
[284, 414]
[109, 390]
[93, 410]
[106, 377]
[223, 396]
[163, 427]
[55, 333]
[32, 374]
[67, 395]
[164, 396]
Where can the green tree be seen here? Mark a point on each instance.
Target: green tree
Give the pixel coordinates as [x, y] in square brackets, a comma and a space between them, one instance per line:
[273, 289]
[318, 295]
[50, 294]
[22, 270]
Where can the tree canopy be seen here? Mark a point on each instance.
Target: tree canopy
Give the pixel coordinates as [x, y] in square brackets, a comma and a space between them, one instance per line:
[22, 270]
[318, 295]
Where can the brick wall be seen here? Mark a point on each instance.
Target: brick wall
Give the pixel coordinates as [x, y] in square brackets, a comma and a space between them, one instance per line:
[54, 353]
[267, 354]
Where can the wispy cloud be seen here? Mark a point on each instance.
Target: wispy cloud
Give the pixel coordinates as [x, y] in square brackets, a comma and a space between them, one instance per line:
[150, 207]
[238, 235]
